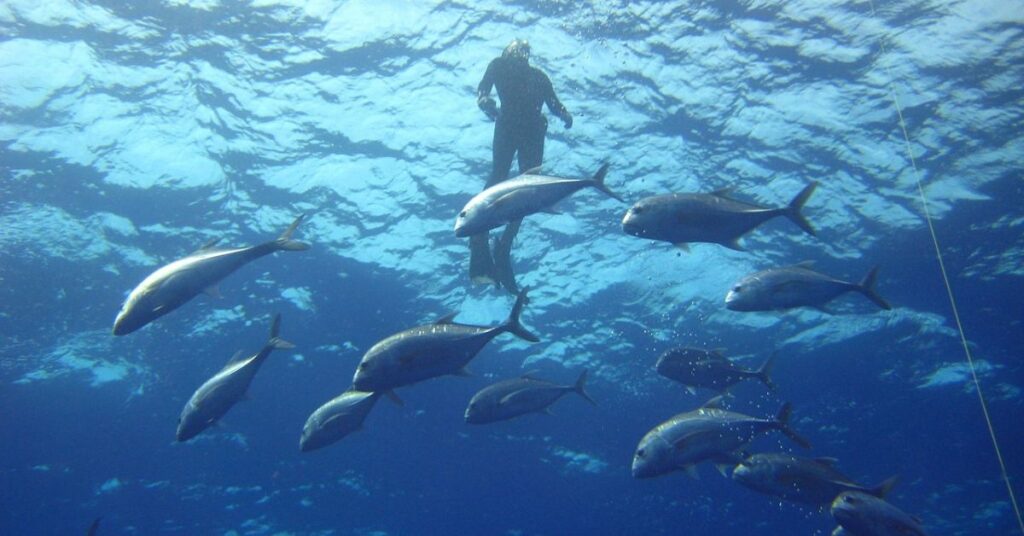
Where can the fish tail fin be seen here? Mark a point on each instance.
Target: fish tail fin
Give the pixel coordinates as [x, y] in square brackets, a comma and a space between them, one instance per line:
[783, 422]
[274, 341]
[793, 210]
[285, 241]
[599, 183]
[765, 371]
[867, 288]
[885, 487]
[512, 324]
[579, 388]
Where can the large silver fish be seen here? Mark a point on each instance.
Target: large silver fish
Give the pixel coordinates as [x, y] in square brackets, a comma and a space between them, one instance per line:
[810, 481]
[709, 433]
[715, 218]
[174, 284]
[425, 352]
[336, 419]
[217, 395]
[519, 396]
[796, 286]
[861, 514]
[695, 367]
[516, 198]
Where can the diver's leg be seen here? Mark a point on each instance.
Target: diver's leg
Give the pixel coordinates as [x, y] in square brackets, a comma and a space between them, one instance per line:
[530, 153]
[481, 267]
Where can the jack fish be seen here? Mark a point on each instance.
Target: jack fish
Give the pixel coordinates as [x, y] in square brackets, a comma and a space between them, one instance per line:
[516, 198]
[174, 284]
[217, 395]
[336, 419]
[709, 433]
[519, 396]
[714, 218]
[425, 352]
[796, 286]
[861, 514]
[697, 368]
[816, 482]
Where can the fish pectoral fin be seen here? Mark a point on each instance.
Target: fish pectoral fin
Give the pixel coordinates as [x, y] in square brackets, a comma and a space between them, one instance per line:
[691, 471]
[213, 291]
[825, 460]
[159, 308]
[690, 389]
[464, 372]
[723, 469]
[392, 396]
[503, 200]
[547, 411]
[511, 397]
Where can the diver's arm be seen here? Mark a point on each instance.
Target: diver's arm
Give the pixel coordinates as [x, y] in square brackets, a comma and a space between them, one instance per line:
[556, 105]
[483, 92]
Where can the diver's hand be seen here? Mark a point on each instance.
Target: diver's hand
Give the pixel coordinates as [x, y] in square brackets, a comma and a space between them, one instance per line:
[567, 118]
[489, 107]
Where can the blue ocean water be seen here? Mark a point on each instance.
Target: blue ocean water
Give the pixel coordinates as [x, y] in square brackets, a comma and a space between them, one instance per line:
[133, 133]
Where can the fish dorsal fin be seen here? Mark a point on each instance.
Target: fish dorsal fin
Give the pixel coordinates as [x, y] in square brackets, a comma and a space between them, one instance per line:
[714, 403]
[723, 192]
[530, 375]
[718, 352]
[447, 319]
[825, 460]
[208, 245]
[804, 264]
[239, 356]
[532, 171]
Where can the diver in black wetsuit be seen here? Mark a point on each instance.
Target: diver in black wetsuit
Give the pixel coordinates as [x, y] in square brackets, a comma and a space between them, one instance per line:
[519, 128]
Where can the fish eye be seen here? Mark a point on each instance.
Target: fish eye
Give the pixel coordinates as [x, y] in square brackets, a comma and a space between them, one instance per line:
[638, 209]
[462, 214]
[362, 366]
[641, 453]
[737, 288]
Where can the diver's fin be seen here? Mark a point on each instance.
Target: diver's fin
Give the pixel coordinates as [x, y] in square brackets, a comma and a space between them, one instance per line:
[481, 267]
[793, 210]
[502, 270]
[214, 292]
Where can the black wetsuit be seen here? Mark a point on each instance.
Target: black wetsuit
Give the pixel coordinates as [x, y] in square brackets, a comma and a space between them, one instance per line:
[519, 130]
[520, 126]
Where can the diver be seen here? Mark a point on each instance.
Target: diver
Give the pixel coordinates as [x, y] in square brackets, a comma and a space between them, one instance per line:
[519, 128]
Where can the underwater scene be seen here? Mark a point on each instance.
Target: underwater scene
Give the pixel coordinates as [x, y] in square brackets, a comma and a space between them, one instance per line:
[513, 268]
